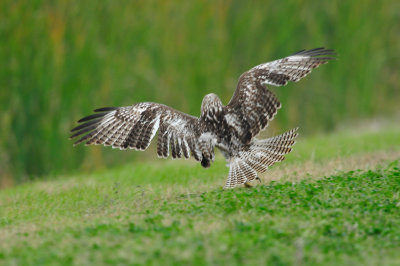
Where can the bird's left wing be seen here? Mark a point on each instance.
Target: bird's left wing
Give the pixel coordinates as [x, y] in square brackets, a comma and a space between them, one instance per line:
[134, 127]
[291, 68]
[253, 105]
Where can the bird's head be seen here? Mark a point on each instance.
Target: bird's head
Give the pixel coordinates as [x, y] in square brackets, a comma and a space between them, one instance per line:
[211, 106]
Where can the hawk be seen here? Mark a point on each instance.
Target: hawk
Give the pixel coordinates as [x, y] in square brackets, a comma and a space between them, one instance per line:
[232, 128]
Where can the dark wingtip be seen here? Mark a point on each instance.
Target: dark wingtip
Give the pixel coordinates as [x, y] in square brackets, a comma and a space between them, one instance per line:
[316, 49]
[298, 52]
[317, 52]
[105, 109]
[90, 117]
[93, 118]
[89, 123]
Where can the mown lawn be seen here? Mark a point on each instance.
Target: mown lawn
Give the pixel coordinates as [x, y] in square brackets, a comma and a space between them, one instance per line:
[177, 213]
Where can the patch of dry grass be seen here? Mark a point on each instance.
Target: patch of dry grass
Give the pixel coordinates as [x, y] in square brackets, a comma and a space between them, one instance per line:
[315, 170]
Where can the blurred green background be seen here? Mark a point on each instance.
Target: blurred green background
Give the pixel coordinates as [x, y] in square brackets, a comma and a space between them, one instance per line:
[61, 59]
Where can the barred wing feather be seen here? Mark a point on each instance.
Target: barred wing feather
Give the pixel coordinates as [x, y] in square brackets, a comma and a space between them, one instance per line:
[135, 126]
[253, 105]
[293, 67]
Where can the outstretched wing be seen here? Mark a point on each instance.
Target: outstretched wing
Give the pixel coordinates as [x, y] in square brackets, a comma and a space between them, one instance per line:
[253, 105]
[134, 127]
[291, 68]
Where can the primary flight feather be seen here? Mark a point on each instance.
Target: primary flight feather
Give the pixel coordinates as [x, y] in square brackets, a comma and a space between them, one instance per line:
[232, 128]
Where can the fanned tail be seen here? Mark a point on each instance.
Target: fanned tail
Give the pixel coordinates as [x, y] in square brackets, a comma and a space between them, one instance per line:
[257, 157]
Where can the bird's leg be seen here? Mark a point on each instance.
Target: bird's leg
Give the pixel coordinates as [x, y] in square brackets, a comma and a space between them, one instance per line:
[248, 185]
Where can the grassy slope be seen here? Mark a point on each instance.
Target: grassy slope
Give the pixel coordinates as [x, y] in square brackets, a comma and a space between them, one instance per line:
[176, 212]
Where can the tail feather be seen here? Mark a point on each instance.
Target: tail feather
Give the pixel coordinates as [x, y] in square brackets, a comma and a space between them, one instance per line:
[265, 160]
[249, 173]
[240, 174]
[258, 157]
[261, 155]
[232, 179]
[273, 150]
[257, 165]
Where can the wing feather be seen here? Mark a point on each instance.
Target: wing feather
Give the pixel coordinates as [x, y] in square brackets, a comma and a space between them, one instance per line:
[135, 126]
[293, 67]
[253, 105]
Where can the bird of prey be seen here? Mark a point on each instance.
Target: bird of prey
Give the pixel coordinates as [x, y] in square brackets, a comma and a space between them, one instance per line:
[232, 128]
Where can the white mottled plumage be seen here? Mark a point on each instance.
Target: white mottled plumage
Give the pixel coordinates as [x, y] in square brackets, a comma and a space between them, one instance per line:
[232, 128]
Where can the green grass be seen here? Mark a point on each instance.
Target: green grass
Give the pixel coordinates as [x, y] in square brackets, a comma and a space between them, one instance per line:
[351, 218]
[61, 59]
[175, 212]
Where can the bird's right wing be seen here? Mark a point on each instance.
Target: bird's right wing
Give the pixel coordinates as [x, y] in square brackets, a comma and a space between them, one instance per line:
[134, 127]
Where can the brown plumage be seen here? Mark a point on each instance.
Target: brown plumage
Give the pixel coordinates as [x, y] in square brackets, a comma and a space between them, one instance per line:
[231, 128]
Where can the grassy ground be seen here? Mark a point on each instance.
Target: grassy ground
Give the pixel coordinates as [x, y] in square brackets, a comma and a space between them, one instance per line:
[174, 212]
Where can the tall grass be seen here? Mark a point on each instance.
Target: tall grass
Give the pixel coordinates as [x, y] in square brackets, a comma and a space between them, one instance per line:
[61, 59]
